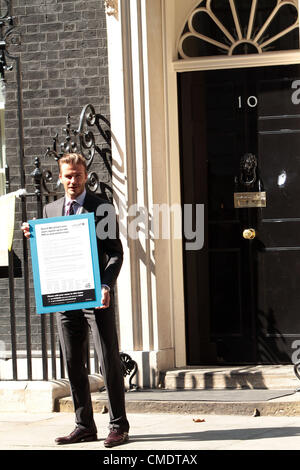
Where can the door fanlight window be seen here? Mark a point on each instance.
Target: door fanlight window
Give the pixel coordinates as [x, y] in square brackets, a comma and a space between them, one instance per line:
[231, 27]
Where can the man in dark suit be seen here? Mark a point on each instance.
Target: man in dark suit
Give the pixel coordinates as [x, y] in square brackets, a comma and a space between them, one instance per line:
[73, 326]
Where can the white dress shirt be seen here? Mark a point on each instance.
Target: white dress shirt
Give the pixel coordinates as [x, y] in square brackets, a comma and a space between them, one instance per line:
[77, 207]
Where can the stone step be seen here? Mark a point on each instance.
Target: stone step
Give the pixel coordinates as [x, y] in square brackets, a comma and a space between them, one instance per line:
[248, 390]
[250, 402]
[238, 377]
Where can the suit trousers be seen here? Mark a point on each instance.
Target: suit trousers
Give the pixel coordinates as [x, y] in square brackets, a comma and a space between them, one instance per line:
[73, 330]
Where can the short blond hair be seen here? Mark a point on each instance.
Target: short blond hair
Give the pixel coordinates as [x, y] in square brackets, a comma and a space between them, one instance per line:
[72, 159]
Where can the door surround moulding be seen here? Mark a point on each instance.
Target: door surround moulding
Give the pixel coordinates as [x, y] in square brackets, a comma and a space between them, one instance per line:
[171, 67]
[237, 61]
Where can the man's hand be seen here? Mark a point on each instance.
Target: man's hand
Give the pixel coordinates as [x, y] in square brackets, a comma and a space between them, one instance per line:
[105, 300]
[25, 229]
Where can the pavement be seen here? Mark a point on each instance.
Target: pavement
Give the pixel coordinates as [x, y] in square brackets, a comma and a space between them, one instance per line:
[160, 434]
[230, 411]
[155, 432]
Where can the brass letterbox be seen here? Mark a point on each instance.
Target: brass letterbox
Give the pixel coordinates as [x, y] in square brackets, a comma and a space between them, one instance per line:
[250, 199]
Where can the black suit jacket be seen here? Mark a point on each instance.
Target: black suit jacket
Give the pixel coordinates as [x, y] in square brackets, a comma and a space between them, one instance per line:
[110, 250]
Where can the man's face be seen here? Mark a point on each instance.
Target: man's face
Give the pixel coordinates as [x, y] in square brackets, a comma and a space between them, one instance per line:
[73, 179]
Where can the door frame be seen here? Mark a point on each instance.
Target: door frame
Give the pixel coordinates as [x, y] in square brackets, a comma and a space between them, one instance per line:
[238, 61]
[171, 30]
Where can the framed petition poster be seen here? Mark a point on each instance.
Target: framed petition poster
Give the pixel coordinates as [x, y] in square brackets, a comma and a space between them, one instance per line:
[65, 263]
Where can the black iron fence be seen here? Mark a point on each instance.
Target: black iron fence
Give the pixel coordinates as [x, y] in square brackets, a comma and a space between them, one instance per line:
[25, 337]
[92, 139]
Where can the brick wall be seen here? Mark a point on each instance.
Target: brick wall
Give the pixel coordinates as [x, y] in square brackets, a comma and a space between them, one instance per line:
[63, 59]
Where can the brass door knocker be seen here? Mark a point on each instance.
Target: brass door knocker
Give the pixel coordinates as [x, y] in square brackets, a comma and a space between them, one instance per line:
[248, 166]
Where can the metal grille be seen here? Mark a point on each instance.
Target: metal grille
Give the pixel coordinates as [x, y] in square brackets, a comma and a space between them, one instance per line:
[95, 146]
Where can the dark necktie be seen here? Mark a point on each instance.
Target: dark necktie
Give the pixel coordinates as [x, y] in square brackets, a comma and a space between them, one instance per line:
[72, 206]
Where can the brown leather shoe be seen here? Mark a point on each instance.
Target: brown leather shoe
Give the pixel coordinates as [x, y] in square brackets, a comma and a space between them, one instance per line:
[116, 437]
[78, 435]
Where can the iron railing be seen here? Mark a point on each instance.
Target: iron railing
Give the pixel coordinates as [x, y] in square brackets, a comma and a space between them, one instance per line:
[95, 147]
[44, 187]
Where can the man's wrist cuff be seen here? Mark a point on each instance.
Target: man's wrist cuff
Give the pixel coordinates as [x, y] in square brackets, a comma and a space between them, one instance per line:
[106, 286]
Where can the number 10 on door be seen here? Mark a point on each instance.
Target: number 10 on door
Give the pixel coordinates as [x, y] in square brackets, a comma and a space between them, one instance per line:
[251, 102]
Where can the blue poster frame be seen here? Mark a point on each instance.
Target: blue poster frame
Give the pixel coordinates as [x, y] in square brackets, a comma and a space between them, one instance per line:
[40, 308]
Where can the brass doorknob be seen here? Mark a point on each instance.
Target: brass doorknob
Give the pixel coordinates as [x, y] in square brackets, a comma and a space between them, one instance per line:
[249, 233]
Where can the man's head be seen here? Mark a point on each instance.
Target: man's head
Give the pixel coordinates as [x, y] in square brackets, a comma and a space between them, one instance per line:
[72, 174]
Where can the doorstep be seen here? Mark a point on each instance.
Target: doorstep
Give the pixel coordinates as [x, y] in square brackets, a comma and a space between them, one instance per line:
[248, 390]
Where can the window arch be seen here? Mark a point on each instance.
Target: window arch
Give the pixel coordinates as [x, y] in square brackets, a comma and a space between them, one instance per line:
[231, 27]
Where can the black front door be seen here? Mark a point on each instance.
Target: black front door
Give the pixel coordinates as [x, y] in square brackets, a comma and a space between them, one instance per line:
[240, 157]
